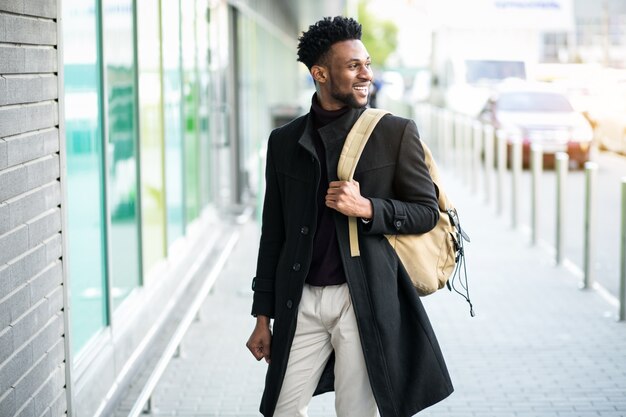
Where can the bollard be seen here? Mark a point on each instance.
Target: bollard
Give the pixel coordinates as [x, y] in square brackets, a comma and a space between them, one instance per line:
[468, 146]
[537, 171]
[489, 161]
[477, 143]
[448, 130]
[434, 128]
[502, 157]
[454, 141]
[438, 111]
[591, 176]
[459, 136]
[622, 281]
[562, 163]
[516, 184]
[418, 118]
[428, 109]
[147, 409]
[442, 132]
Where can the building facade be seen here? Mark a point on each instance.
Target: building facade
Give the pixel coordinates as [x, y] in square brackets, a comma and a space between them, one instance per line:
[129, 132]
[600, 35]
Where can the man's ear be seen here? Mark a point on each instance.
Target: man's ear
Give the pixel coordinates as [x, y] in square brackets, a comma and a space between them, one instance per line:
[319, 73]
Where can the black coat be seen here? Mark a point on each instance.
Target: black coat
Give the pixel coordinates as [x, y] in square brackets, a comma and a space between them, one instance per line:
[406, 369]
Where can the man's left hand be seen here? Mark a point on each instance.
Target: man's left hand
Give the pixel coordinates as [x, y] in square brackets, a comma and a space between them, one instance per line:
[346, 198]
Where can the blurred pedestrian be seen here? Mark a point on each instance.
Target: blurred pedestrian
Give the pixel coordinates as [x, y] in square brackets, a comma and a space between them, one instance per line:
[352, 325]
[374, 90]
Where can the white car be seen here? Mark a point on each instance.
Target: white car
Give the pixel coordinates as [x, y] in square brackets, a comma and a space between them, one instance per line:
[537, 113]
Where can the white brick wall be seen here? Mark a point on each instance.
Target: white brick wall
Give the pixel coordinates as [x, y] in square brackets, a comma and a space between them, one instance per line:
[32, 345]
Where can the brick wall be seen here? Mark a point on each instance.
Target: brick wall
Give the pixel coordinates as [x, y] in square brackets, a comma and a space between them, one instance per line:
[32, 345]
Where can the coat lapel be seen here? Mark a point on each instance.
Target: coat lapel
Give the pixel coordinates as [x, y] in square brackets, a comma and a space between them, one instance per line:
[306, 139]
[334, 135]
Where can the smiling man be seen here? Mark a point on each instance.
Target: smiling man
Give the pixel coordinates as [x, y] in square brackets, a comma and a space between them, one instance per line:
[352, 325]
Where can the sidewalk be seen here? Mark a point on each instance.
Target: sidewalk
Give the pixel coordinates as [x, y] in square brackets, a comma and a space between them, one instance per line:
[538, 346]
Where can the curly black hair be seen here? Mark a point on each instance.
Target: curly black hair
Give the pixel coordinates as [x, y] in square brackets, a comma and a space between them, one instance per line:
[315, 43]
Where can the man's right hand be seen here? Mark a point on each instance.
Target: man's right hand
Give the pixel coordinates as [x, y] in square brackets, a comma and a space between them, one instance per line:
[261, 339]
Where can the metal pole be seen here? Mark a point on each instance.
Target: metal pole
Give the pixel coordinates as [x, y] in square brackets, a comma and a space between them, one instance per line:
[467, 150]
[489, 160]
[426, 112]
[501, 153]
[441, 132]
[591, 176]
[418, 118]
[422, 111]
[562, 163]
[537, 172]
[477, 143]
[459, 134]
[147, 409]
[622, 286]
[517, 177]
[446, 137]
[434, 126]
[461, 137]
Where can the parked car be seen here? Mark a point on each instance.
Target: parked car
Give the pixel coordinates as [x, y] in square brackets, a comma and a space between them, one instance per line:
[537, 113]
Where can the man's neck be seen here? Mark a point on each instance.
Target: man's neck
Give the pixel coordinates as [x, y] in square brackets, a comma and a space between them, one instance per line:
[322, 116]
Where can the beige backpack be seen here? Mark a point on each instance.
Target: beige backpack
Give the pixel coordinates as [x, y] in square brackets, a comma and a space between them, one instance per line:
[429, 258]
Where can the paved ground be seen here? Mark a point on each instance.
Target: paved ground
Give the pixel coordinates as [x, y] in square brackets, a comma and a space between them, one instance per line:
[538, 346]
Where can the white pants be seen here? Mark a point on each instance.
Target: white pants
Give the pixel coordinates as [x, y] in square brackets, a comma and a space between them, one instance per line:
[326, 322]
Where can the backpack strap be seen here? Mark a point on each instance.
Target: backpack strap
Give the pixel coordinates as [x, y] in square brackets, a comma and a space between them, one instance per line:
[442, 198]
[349, 158]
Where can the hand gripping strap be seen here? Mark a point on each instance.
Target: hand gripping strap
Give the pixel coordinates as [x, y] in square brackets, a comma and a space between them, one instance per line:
[350, 154]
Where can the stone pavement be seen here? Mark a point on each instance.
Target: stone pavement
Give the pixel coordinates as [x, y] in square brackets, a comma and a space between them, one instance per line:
[538, 346]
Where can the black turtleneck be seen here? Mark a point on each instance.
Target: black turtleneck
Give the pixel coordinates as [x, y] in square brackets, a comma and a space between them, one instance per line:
[326, 267]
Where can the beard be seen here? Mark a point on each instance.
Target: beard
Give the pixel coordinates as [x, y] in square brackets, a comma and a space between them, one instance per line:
[349, 99]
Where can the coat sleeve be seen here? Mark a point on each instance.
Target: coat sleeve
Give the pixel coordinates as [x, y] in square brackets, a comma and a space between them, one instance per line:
[271, 243]
[415, 208]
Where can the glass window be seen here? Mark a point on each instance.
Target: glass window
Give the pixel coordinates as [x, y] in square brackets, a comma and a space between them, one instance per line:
[190, 110]
[121, 141]
[85, 205]
[253, 98]
[172, 93]
[260, 52]
[204, 138]
[151, 132]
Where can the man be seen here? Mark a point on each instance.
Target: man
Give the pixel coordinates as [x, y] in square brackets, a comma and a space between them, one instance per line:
[352, 325]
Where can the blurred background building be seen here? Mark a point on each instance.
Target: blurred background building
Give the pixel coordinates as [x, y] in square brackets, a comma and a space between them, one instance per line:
[129, 132]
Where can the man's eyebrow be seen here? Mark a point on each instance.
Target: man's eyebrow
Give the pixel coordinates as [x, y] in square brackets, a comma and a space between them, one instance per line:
[357, 60]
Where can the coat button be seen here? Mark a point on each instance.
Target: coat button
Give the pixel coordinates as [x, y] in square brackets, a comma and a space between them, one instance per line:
[304, 230]
[289, 303]
[398, 224]
[296, 267]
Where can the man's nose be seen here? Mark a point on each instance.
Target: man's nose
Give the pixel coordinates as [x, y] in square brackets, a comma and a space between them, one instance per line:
[366, 73]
